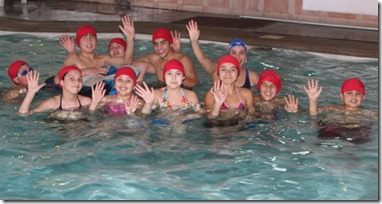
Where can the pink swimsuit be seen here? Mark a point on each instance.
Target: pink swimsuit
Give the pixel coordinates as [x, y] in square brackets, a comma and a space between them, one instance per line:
[240, 106]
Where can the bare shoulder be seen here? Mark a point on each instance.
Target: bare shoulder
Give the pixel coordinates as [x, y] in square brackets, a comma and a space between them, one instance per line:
[245, 91]
[85, 100]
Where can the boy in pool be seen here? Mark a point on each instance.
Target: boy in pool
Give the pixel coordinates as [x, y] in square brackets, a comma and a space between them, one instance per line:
[69, 105]
[237, 48]
[164, 51]
[347, 121]
[267, 103]
[17, 72]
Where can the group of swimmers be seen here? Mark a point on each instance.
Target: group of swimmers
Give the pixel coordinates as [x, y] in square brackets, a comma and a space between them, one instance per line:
[230, 96]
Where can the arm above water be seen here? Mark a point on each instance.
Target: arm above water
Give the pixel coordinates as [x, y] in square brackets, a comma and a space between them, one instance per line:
[313, 92]
[33, 88]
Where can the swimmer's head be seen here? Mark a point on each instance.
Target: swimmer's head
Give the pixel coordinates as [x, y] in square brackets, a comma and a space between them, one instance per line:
[238, 42]
[228, 59]
[162, 33]
[119, 41]
[353, 84]
[173, 64]
[14, 67]
[85, 30]
[65, 70]
[271, 76]
[126, 71]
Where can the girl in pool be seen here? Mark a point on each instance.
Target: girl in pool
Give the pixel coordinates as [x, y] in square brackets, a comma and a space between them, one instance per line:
[17, 72]
[171, 98]
[68, 105]
[125, 101]
[226, 101]
[267, 103]
[237, 48]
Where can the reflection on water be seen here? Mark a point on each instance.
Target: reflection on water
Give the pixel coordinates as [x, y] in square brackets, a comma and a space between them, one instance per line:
[128, 158]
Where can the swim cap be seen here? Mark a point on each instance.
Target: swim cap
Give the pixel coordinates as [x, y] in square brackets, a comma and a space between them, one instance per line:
[228, 59]
[118, 41]
[238, 42]
[126, 71]
[65, 70]
[353, 84]
[162, 33]
[84, 30]
[14, 67]
[271, 76]
[173, 64]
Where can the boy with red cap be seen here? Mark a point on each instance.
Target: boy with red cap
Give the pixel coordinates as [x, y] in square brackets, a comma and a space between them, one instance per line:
[88, 61]
[164, 51]
[267, 103]
[352, 93]
[17, 72]
[237, 48]
[69, 104]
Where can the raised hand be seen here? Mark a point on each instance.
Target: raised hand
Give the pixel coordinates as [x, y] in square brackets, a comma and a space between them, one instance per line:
[193, 31]
[132, 105]
[312, 89]
[32, 78]
[68, 43]
[98, 92]
[175, 40]
[146, 93]
[219, 93]
[127, 28]
[291, 103]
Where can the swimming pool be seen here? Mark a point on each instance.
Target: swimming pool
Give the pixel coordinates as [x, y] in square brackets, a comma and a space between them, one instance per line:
[119, 158]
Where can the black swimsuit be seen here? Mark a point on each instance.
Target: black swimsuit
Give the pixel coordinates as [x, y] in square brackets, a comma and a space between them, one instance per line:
[60, 108]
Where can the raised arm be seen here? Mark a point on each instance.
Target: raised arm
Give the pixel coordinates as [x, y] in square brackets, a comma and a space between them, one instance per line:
[291, 103]
[313, 92]
[215, 98]
[68, 43]
[148, 95]
[191, 79]
[194, 34]
[175, 40]
[33, 88]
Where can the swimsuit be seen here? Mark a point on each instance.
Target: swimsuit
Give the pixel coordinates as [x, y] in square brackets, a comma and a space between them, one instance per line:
[240, 106]
[165, 104]
[60, 107]
[247, 83]
[114, 107]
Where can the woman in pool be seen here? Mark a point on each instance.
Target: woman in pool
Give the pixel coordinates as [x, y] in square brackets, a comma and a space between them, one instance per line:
[125, 101]
[226, 101]
[17, 72]
[171, 98]
[68, 105]
[237, 48]
[267, 103]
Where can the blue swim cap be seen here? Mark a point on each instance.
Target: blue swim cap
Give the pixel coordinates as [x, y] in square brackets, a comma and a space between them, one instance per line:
[238, 42]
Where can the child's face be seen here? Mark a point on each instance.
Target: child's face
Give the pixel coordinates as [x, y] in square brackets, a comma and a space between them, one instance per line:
[88, 43]
[228, 72]
[22, 74]
[124, 85]
[161, 47]
[352, 99]
[268, 90]
[72, 81]
[174, 78]
[116, 50]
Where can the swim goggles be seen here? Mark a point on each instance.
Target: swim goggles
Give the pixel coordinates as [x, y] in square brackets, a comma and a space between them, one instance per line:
[25, 72]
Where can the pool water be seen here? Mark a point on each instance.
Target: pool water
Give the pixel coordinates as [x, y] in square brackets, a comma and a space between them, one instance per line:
[122, 158]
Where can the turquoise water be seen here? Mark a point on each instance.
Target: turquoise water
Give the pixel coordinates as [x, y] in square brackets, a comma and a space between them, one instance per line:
[120, 158]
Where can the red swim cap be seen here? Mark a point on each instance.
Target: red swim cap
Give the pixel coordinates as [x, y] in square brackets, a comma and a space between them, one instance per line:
[173, 64]
[271, 76]
[162, 33]
[228, 59]
[126, 71]
[14, 67]
[84, 30]
[65, 70]
[118, 41]
[353, 84]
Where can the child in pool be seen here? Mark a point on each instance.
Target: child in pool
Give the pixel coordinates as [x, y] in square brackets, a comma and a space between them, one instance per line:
[267, 103]
[125, 101]
[69, 105]
[17, 72]
[226, 101]
[171, 98]
[237, 48]
[347, 121]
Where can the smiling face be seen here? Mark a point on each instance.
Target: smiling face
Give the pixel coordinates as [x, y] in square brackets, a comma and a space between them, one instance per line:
[72, 81]
[239, 53]
[352, 99]
[268, 90]
[173, 78]
[88, 43]
[161, 47]
[116, 50]
[21, 77]
[124, 85]
[228, 73]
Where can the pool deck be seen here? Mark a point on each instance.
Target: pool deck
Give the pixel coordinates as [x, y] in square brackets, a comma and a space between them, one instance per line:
[260, 33]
